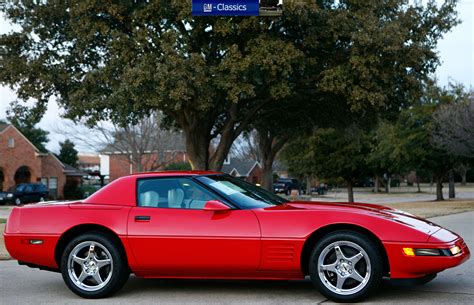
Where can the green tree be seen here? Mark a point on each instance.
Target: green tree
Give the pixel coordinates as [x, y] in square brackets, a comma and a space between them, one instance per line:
[410, 144]
[331, 154]
[388, 153]
[212, 76]
[178, 166]
[366, 57]
[120, 61]
[415, 130]
[68, 153]
[25, 120]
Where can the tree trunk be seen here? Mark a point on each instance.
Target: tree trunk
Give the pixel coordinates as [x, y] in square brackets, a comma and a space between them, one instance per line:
[350, 191]
[376, 184]
[463, 178]
[226, 139]
[463, 173]
[269, 146]
[265, 140]
[267, 174]
[197, 147]
[439, 188]
[388, 184]
[418, 183]
[452, 192]
[308, 186]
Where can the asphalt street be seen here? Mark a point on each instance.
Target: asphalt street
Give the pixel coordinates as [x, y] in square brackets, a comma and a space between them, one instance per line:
[21, 285]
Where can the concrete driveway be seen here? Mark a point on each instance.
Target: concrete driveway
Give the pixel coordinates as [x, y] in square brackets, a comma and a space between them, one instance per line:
[21, 285]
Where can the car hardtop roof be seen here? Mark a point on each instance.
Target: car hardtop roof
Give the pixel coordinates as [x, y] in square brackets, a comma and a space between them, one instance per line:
[177, 173]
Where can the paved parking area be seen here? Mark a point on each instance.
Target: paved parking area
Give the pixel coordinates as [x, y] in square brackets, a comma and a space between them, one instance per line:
[21, 285]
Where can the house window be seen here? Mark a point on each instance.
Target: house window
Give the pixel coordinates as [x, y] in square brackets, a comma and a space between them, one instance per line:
[11, 142]
[44, 181]
[53, 187]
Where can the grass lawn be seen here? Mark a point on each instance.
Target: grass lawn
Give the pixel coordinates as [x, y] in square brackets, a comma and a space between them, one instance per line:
[2, 220]
[429, 209]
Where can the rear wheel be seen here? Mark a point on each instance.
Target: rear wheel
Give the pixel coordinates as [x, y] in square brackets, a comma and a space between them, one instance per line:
[93, 266]
[17, 201]
[346, 266]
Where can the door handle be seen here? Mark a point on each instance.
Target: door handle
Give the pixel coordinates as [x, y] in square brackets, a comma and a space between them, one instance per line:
[142, 218]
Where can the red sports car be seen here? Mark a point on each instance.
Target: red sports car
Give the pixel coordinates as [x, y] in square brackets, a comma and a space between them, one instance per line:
[210, 225]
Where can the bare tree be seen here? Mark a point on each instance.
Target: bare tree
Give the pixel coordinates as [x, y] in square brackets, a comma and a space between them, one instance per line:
[455, 128]
[246, 147]
[146, 145]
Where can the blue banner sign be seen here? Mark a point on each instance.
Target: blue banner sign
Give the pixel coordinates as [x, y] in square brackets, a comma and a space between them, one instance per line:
[225, 7]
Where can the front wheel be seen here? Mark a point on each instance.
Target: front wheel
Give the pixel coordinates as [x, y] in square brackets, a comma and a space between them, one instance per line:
[346, 266]
[94, 266]
[17, 201]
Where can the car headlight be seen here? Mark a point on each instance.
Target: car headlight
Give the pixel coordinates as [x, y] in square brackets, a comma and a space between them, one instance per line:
[10, 195]
[455, 250]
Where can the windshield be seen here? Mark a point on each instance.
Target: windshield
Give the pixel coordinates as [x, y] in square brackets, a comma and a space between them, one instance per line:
[20, 188]
[244, 194]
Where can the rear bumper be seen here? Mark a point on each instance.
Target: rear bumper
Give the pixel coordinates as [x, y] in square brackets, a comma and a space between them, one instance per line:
[20, 248]
[402, 266]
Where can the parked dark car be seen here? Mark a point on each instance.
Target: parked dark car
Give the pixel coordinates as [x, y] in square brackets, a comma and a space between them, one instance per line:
[25, 193]
[364, 182]
[285, 186]
[322, 189]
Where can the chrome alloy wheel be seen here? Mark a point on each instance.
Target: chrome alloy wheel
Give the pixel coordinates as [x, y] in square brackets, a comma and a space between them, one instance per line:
[90, 266]
[344, 267]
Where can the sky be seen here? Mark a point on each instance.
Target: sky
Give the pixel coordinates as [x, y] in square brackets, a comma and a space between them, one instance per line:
[456, 51]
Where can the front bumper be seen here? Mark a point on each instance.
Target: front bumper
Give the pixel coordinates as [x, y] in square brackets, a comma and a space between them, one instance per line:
[403, 266]
[6, 200]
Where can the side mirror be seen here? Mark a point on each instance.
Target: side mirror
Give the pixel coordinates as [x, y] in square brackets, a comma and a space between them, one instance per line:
[215, 205]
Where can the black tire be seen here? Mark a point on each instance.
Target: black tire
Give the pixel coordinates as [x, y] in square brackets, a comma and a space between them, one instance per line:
[372, 260]
[17, 201]
[120, 271]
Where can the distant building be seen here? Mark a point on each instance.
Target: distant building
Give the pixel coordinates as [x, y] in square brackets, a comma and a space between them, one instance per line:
[116, 163]
[249, 170]
[22, 162]
[280, 169]
[89, 163]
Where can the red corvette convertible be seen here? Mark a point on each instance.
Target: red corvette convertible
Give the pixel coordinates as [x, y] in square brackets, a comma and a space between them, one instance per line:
[211, 225]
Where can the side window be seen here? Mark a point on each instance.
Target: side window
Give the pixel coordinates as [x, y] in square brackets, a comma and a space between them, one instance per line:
[173, 193]
[29, 189]
[40, 187]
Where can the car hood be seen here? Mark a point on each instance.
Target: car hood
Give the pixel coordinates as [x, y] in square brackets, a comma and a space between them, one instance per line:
[365, 208]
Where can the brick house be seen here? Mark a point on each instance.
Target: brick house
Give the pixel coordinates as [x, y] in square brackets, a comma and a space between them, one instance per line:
[22, 162]
[89, 163]
[116, 163]
[249, 170]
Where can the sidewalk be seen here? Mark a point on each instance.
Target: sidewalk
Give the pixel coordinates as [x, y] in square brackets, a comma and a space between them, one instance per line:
[3, 251]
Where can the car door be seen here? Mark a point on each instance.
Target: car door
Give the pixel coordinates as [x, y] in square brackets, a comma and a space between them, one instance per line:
[28, 194]
[171, 234]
